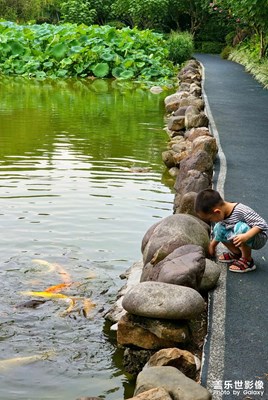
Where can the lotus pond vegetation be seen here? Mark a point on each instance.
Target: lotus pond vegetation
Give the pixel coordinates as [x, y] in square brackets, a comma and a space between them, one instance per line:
[70, 50]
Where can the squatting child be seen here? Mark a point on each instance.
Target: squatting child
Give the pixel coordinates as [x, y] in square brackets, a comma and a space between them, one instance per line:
[237, 226]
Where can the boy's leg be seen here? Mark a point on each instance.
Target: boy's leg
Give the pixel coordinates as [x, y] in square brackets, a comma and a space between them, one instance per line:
[233, 254]
[245, 263]
[221, 234]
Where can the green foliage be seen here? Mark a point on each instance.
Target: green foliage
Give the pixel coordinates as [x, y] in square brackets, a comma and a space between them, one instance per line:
[209, 47]
[141, 13]
[70, 50]
[26, 10]
[251, 13]
[247, 55]
[226, 51]
[180, 46]
[75, 11]
[86, 12]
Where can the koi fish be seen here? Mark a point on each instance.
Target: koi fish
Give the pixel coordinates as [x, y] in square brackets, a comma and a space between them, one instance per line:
[19, 361]
[65, 275]
[57, 288]
[51, 267]
[46, 295]
[88, 305]
[31, 304]
[70, 308]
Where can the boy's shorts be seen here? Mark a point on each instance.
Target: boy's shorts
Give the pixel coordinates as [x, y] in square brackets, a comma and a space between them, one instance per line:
[221, 234]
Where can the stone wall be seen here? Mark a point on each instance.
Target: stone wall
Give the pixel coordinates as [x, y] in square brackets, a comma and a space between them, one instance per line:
[160, 314]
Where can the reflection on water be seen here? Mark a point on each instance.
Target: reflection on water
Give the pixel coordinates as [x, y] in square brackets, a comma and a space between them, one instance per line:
[80, 182]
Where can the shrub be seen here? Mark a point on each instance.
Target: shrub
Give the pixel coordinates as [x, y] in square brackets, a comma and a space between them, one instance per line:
[209, 47]
[180, 46]
[77, 12]
[226, 51]
[248, 55]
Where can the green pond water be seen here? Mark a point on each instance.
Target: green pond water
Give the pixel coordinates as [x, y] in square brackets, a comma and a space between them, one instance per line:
[73, 211]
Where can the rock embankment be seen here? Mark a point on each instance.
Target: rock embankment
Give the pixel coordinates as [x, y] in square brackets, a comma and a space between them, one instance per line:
[159, 312]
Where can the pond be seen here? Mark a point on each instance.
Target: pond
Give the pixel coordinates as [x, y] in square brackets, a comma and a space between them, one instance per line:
[81, 180]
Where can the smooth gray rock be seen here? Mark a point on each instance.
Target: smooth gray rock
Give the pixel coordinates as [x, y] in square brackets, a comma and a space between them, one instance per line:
[210, 277]
[175, 382]
[171, 233]
[164, 301]
[187, 203]
[184, 266]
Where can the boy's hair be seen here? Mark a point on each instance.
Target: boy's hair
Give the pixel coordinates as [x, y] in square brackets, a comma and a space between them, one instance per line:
[206, 200]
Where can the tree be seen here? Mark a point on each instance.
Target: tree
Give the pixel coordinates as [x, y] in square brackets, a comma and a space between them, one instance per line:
[87, 11]
[142, 13]
[26, 10]
[196, 10]
[253, 13]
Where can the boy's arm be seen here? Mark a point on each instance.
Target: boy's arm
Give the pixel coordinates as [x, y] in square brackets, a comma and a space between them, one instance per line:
[244, 237]
[212, 247]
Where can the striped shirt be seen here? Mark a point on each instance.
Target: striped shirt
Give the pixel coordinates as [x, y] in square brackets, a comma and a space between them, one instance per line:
[245, 214]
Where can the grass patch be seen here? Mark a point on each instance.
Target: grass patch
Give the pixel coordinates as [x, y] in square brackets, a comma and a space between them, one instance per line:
[250, 60]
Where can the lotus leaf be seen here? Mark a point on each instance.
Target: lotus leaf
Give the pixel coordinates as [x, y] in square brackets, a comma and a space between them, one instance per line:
[100, 70]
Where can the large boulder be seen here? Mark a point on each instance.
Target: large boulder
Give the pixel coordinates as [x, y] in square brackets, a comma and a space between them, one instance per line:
[172, 102]
[168, 158]
[175, 382]
[187, 204]
[192, 101]
[157, 393]
[184, 266]
[131, 334]
[180, 112]
[200, 160]
[176, 123]
[150, 333]
[211, 276]
[195, 118]
[194, 133]
[164, 301]
[195, 89]
[170, 233]
[183, 360]
[192, 181]
[207, 144]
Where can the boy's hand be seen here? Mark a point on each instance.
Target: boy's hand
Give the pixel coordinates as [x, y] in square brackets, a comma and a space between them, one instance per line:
[238, 240]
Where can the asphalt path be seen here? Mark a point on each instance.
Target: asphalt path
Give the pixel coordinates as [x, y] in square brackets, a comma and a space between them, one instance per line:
[236, 352]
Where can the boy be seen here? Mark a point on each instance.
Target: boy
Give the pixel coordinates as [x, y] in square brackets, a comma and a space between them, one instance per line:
[237, 226]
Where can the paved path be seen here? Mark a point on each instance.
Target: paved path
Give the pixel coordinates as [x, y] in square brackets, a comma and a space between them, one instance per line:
[237, 347]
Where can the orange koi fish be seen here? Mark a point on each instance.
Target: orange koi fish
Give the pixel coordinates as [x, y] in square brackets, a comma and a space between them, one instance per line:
[57, 288]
